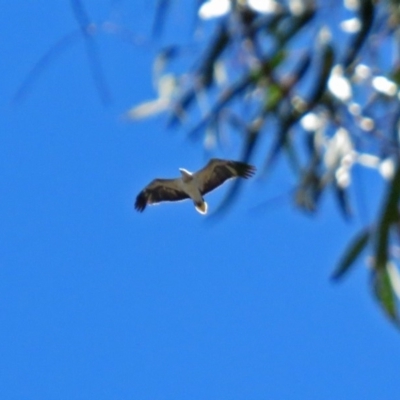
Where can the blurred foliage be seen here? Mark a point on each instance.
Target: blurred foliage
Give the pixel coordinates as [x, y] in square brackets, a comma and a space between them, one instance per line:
[324, 76]
[318, 79]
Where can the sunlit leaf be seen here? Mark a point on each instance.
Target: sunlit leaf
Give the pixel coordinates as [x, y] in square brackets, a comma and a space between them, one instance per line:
[147, 109]
[275, 94]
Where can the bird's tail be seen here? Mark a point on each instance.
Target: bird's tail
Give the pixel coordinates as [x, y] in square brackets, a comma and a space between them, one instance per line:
[201, 207]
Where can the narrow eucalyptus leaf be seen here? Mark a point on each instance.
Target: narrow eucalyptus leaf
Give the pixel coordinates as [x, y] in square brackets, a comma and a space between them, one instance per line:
[389, 215]
[351, 254]
[343, 200]
[384, 293]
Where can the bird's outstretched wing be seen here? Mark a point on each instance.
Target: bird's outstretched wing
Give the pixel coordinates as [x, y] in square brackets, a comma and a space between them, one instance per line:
[217, 171]
[159, 190]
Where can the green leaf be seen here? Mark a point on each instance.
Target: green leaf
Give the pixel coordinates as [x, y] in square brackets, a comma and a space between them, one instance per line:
[384, 293]
[275, 95]
[351, 254]
[389, 215]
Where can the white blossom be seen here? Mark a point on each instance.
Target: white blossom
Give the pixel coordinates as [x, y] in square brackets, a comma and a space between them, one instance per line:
[384, 85]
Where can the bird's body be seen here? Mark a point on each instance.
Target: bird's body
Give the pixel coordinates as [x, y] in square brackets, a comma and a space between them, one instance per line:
[190, 184]
[193, 185]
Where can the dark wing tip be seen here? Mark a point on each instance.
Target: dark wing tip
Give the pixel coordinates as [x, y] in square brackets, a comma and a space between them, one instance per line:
[244, 170]
[141, 201]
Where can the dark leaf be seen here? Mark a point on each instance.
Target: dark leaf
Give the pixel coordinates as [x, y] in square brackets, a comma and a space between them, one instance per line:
[389, 215]
[281, 141]
[87, 30]
[342, 197]
[366, 16]
[309, 191]
[44, 62]
[384, 294]
[298, 72]
[159, 17]
[203, 76]
[225, 98]
[292, 25]
[218, 45]
[327, 59]
[351, 254]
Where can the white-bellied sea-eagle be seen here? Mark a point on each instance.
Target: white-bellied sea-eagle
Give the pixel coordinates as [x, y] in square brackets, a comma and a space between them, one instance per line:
[193, 185]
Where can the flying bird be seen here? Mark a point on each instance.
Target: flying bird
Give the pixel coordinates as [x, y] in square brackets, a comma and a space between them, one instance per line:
[193, 185]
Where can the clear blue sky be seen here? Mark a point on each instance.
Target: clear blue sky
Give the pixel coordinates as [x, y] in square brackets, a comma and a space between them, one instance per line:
[99, 302]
